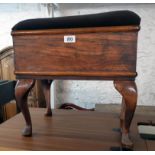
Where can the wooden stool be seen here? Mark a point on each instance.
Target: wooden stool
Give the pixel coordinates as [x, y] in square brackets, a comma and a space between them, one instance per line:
[90, 47]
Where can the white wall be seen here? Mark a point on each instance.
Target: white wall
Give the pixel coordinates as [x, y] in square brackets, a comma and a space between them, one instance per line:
[10, 14]
[88, 93]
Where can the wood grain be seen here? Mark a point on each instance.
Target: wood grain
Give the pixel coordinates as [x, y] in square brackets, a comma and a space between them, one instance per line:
[90, 131]
[94, 54]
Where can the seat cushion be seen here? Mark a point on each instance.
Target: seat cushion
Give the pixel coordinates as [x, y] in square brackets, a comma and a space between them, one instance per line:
[114, 18]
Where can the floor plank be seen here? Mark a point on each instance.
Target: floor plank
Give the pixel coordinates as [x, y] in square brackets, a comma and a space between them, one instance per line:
[68, 130]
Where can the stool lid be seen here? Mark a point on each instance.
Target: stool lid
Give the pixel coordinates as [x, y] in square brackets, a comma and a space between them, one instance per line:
[114, 18]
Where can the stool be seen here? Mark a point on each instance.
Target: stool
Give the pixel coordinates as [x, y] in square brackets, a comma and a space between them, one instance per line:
[87, 47]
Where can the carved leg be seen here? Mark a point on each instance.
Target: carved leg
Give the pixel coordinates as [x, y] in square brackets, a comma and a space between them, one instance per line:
[22, 90]
[46, 89]
[128, 90]
[122, 114]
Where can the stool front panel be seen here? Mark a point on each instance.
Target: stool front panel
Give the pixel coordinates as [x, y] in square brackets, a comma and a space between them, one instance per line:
[91, 54]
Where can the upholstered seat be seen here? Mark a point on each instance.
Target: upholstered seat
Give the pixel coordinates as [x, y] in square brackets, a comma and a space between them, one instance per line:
[114, 18]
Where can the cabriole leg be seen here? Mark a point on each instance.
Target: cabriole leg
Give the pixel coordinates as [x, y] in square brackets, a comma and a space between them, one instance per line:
[46, 89]
[22, 90]
[128, 90]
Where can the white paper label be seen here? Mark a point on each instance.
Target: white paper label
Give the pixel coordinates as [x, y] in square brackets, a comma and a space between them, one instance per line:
[69, 39]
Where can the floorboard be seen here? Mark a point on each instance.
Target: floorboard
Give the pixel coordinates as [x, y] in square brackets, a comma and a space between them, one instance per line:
[70, 130]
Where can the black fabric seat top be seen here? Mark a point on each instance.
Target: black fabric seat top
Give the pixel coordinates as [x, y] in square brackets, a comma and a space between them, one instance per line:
[114, 18]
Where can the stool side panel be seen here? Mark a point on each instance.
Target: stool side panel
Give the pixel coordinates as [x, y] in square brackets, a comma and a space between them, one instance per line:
[92, 53]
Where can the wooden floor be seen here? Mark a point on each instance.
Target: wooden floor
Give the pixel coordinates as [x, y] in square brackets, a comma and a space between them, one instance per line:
[70, 130]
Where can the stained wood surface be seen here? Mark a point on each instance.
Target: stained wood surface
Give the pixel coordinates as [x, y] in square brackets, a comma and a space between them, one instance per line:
[97, 52]
[70, 130]
[78, 30]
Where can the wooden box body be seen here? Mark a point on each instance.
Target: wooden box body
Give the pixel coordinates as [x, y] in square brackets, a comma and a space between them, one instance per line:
[103, 53]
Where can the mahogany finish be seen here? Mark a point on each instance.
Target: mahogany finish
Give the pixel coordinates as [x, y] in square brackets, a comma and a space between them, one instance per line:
[128, 90]
[22, 89]
[103, 53]
[111, 54]
[46, 89]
